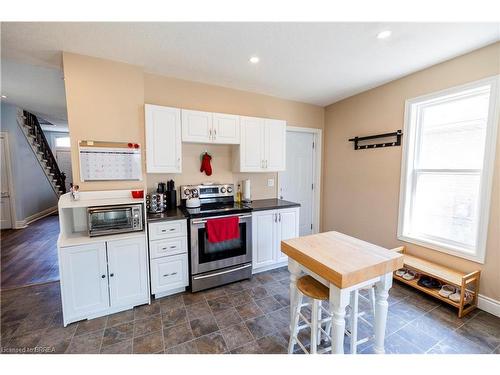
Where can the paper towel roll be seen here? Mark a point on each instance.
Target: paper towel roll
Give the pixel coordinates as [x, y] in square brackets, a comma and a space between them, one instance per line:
[246, 191]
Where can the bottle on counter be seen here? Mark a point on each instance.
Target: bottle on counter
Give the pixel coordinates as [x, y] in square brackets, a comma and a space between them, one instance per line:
[238, 194]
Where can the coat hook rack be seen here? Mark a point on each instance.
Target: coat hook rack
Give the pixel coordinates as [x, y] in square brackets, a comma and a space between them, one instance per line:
[398, 134]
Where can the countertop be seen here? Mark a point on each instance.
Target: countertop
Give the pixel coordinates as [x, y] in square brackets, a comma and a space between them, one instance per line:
[172, 214]
[270, 204]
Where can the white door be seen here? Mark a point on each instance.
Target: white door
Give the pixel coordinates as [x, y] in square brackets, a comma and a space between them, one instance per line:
[6, 218]
[196, 126]
[163, 139]
[252, 144]
[296, 182]
[288, 227]
[128, 271]
[226, 128]
[275, 140]
[84, 280]
[170, 272]
[63, 157]
[264, 238]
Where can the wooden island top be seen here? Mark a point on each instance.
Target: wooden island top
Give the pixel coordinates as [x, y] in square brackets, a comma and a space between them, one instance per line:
[341, 259]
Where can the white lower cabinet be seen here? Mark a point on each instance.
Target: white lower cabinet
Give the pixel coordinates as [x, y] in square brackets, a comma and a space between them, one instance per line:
[269, 229]
[168, 252]
[103, 277]
[168, 273]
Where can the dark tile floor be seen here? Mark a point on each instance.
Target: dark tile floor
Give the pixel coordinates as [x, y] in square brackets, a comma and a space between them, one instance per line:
[245, 317]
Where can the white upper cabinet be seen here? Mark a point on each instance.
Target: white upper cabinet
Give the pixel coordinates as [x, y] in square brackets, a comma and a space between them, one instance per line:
[262, 145]
[197, 126]
[226, 128]
[163, 139]
[275, 139]
[207, 127]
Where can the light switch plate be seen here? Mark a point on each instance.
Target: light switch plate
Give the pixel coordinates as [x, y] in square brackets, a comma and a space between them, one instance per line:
[270, 182]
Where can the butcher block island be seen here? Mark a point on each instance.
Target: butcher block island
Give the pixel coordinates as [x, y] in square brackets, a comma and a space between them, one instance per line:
[345, 265]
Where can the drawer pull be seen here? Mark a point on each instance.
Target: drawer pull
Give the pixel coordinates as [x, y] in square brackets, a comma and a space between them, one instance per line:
[171, 229]
[173, 247]
[170, 274]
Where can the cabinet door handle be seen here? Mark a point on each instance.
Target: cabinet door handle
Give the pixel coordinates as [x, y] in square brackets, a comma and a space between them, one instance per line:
[210, 134]
[111, 275]
[215, 134]
[266, 163]
[275, 218]
[279, 217]
[103, 276]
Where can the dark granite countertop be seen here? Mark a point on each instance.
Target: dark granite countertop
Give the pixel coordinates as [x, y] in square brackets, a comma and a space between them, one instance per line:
[270, 204]
[172, 214]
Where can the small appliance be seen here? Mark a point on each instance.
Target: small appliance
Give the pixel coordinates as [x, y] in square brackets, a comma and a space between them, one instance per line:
[106, 220]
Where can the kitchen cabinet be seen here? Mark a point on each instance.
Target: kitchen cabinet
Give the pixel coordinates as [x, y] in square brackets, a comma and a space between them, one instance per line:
[163, 139]
[269, 228]
[101, 278]
[128, 271]
[262, 145]
[168, 252]
[208, 127]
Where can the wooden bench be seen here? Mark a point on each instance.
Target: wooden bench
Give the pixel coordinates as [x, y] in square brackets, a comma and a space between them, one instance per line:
[446, 275]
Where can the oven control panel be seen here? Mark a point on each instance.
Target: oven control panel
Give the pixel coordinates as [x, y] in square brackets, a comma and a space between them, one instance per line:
[207, 191]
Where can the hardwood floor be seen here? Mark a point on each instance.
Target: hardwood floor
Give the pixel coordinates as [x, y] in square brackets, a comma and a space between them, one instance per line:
[29, 255]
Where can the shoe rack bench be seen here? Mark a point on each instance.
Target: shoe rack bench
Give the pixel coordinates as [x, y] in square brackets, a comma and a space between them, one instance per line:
[446, 275]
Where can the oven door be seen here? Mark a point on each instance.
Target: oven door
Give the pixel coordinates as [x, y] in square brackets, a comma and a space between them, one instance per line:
[207, 256]
[111, 219]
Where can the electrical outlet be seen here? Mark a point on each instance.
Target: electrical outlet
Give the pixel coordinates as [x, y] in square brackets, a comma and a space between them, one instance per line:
[270, 182]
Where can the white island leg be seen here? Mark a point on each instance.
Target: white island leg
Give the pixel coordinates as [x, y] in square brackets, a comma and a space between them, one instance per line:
[295, 272]
[381, 306]
[339, 299]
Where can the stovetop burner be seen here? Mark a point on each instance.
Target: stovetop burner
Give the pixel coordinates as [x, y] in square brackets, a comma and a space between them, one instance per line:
[216, 209]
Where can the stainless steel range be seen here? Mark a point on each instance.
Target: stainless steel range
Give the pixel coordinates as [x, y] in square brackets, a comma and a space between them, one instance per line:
[217, 263]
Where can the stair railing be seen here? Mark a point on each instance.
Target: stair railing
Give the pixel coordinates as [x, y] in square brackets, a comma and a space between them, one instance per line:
[36, 131]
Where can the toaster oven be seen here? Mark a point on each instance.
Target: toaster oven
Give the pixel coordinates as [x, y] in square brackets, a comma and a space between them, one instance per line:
[106, 220]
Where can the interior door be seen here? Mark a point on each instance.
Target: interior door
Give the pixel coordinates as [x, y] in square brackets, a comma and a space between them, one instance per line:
[163, 139]
[296, 182]
[6, 219]
[264, 238]
[84, 280]
[128, 271]
[275, 145]
[252, 144]
[196, 126]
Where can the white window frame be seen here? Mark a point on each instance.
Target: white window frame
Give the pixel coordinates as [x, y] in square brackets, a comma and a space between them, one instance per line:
[406, 196]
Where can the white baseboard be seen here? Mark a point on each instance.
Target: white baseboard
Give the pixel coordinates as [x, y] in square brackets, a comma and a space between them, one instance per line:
[41, 214]
[20, 224]
[489, 305]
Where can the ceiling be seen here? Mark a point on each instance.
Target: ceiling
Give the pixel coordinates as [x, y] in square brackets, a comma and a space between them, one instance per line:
[318, 63]
[37, 89]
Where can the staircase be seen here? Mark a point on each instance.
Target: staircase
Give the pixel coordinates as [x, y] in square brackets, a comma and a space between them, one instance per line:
[33, 132]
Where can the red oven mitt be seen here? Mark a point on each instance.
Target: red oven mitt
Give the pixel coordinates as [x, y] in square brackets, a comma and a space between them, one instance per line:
[205, 164]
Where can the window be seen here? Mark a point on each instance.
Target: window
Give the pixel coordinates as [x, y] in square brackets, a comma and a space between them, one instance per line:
[62, 142]
[447, 169]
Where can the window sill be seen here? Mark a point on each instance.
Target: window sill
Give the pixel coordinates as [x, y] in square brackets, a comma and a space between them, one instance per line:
[479, 258]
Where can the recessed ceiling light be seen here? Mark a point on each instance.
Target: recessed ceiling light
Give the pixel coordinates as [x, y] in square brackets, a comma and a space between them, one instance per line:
[384, 34]
[254, 59]
[4, 96]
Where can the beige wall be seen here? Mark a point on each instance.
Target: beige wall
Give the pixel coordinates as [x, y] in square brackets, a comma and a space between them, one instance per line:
[361, 188]
[192, 95]
[105, 102]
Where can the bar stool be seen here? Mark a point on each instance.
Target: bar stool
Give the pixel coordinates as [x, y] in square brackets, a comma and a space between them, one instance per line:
[317, 292]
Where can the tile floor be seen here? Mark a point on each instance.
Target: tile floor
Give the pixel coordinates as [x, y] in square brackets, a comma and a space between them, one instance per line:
[246, 317]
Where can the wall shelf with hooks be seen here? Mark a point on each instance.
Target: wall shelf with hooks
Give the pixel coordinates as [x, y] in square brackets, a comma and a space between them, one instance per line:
[397, 142]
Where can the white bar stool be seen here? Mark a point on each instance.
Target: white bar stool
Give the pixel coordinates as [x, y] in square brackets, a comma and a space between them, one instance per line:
[308, 286]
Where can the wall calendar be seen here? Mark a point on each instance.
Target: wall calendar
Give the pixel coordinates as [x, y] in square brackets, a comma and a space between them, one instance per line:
[105, 161]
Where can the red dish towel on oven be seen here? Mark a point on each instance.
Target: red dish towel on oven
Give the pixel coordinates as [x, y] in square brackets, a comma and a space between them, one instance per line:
[223, 229]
